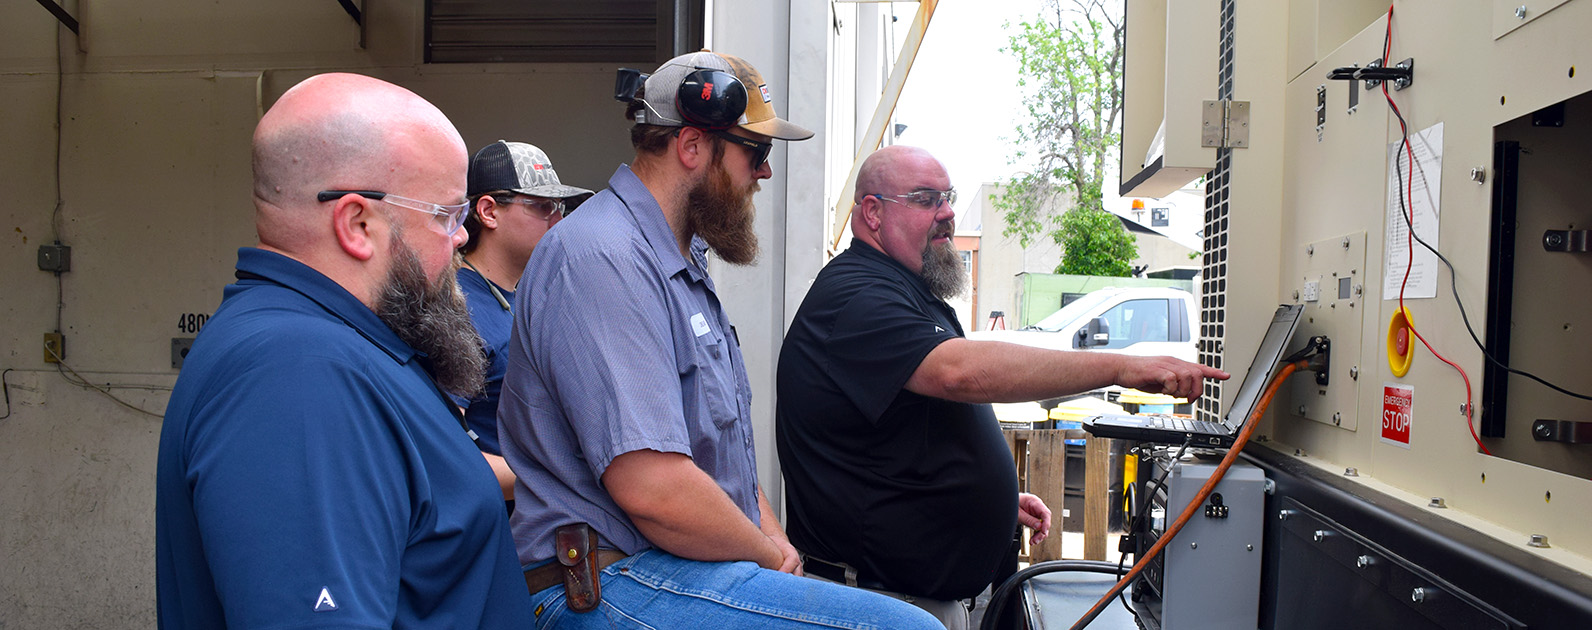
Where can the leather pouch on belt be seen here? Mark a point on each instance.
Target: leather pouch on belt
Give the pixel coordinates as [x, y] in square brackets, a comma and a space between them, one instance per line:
[577, 551]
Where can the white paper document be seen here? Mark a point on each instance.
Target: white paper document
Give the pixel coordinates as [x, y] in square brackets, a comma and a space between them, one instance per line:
[1419, 197]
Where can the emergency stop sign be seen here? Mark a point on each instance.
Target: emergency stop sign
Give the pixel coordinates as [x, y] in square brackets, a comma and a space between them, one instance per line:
[1397, 400]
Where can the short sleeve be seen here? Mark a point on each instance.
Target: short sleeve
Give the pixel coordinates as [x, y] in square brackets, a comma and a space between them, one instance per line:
[297, 492]
[879, 338]
[601, 340]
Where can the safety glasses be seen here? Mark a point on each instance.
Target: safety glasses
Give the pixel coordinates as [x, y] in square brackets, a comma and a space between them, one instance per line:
[922, 199]
[451, 216]
[759, 150]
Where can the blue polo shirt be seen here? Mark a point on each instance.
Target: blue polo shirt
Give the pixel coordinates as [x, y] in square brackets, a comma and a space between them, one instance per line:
[492, 322]
[620, 344]
[311, 474]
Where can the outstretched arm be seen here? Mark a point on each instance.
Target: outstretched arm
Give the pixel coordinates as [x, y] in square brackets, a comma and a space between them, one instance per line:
[971, 371]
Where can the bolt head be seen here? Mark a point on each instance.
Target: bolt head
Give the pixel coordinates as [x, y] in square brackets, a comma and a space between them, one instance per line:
[1345, 242]
[1193, 545]
[1354, 372]
[1351, 472]
[1418, 595]
[1539, 541]
[1310, 250]
[1520, 12]
[1362, 561]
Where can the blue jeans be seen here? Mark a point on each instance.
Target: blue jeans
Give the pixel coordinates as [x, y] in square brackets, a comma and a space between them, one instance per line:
[654, 589]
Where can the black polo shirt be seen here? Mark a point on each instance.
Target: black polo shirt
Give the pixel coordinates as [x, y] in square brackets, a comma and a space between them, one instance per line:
[917, 493]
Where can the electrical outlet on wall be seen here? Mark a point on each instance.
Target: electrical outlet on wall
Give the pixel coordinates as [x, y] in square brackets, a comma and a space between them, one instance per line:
[54, 347]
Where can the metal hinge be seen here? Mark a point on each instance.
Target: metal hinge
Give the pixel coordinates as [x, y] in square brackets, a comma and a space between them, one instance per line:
[1225, 124]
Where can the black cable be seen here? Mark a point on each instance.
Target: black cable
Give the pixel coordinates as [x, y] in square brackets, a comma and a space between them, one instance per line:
[6, 387]
[1144, 509]
[1007, 589]
[1453, 276]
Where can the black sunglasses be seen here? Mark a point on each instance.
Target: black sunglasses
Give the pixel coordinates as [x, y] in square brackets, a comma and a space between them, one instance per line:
[759, 150]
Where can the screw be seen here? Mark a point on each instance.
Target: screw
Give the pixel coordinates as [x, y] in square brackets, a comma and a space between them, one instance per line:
[1362, 561]
[1542, 431]
[1539, 541]
[1354, 372]
[1320, 535]
[1418, 595]
[1337, 418]
[1478, 174]
[1554, 240]
[1296, 294]
[1520, 12]
[1359, 290]
[1193, 545]
[1310, 250]
[1301, 412]
[1437, 502]
[1351, 472]
[1345, 245]
[1282, 515]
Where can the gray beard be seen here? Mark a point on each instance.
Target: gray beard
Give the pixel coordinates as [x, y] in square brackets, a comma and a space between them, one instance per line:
[942, 271]
[435, 320]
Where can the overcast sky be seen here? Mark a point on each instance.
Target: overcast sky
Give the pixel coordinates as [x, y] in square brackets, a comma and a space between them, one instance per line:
[961, 101]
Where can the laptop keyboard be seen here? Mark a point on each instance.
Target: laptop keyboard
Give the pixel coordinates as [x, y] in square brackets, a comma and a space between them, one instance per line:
[1186, 425]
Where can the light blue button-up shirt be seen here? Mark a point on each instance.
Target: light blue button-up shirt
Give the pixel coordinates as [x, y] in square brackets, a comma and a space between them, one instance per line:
[619, 344]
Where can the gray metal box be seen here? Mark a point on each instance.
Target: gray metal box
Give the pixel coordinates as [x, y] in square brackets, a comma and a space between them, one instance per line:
[1212, 568]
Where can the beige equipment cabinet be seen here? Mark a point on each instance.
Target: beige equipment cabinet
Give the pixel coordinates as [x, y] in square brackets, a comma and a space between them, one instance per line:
[1300, 214]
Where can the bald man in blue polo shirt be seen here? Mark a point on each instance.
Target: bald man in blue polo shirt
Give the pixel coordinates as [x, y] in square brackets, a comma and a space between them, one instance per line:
[312, 471]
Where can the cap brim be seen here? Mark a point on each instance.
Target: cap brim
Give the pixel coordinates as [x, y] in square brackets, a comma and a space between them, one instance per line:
[778, 128]
[554, 191]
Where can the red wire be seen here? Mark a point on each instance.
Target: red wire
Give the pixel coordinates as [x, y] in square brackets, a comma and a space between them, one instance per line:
[1409, 210]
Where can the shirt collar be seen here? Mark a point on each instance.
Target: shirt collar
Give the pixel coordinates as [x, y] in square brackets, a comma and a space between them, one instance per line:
[269, 266]
[884, 261]
[648, 216]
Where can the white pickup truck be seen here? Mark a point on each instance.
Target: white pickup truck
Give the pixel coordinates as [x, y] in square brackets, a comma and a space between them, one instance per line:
[1141, 321]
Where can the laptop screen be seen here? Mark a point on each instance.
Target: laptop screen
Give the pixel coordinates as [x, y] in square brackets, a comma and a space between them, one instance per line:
[1283, 324]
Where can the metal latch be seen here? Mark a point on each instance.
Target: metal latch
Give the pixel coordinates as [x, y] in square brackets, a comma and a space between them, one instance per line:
[1225, 123]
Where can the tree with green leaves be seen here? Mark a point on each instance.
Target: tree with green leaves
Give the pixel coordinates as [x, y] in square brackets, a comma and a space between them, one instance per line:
[1070, 71]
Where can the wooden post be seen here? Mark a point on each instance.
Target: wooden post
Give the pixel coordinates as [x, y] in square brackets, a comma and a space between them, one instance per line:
[1047, 476]
[1097, 455]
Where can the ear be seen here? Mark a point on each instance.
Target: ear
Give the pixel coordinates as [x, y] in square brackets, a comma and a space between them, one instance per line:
[354, 224]
[871, 210]
[693, 148]
[486, 211]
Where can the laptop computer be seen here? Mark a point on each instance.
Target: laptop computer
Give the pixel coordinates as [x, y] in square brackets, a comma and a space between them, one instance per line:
[1164, 429]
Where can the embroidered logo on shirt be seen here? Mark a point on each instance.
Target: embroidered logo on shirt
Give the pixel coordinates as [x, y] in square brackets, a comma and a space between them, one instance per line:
[324, 603]
[699, 324]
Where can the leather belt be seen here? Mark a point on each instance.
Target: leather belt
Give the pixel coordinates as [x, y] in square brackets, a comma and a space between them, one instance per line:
[552, 574]
[836, 572]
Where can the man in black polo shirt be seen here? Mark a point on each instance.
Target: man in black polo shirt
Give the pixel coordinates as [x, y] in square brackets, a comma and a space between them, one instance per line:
[897, 477]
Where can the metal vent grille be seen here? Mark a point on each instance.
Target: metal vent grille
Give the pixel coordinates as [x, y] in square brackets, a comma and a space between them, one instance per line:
[1213, 271]
[561, 31]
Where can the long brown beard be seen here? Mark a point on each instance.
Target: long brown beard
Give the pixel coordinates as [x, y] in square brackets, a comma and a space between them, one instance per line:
[434, 319]
[942, 271]
[722, 215]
